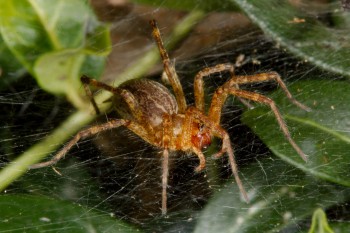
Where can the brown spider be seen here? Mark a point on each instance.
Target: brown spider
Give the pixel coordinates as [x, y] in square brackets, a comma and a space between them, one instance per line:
[153, 113]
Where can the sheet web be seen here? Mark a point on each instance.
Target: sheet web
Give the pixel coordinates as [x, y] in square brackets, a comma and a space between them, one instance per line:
[117, 174]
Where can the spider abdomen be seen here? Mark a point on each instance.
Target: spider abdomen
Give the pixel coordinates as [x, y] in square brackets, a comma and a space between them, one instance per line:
[152, 99]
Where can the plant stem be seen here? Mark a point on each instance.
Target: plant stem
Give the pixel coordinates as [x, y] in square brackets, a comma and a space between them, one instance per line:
[80, 118]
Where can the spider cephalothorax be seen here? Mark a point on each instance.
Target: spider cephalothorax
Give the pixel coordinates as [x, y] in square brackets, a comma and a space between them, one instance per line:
[149, 110]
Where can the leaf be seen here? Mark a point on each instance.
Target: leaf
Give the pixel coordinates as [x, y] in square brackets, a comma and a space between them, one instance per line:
[10, 68]
[67, 182]
[57, 71]
[298, 29]
[23, 32]
[93, 66]
[319, 223]
[280, 197]
[38, 214]
[38, 31]
[323, 133]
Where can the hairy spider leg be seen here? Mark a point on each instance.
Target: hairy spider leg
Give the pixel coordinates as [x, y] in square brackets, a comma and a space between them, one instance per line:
[169, 69]
[199, 85]
[136, 128]
[226, 147]
[167, 128]
[263, 77]
[198, 82]
[221, 95]
[165, 175]
[85, 80]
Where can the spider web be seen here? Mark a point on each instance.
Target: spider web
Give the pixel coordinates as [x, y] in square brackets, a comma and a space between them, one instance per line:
[116, 173]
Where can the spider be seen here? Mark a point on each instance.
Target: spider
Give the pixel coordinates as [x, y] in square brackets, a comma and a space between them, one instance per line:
[165, 121]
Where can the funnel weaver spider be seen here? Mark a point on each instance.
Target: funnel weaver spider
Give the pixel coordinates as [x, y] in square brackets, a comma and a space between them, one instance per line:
[150, 111]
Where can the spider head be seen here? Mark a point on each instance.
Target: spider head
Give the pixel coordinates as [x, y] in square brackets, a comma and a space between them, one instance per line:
[201, 137]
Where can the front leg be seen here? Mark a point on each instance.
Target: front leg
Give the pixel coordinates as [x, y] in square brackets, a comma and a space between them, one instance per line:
[227, 148]
[201, 158]
[218, 131]
[265, 100]
[263, 77]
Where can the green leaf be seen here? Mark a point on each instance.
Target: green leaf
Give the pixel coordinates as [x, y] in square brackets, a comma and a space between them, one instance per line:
[327, 47]
[280, 197]
[10, 68]
[97, 41]
[93, 66]
[323, 133]
[23, 31]
[38, 31]
[319, 223]
[57, 71]
[38, 214]
[68, 182]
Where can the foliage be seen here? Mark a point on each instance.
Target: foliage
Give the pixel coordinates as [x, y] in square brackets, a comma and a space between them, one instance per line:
[319, 132]
[299, 30]
[54, 43]
[320, 223]
[40, 214]
[281, 196]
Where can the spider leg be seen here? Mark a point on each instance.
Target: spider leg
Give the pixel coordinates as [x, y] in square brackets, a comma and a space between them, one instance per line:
[226, 146]
[218, 131]
[89, 132]
[166, 139]
[265, 100]
[201, 157]
[165, 175]
[169, 69]
[93, 82]
[129, 98]
[199, 86]
[221, 93]
[262, 77]
[198, 82]
[89, 93]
